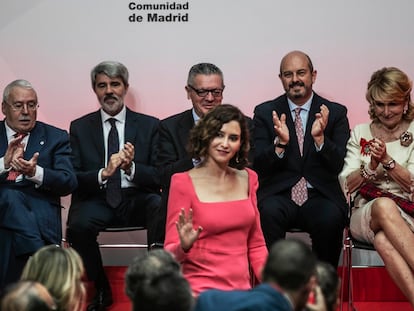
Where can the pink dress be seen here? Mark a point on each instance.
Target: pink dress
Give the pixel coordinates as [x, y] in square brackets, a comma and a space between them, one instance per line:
[230, 243]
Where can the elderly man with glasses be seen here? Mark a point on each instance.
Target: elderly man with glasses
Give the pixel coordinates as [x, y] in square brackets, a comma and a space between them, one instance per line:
[35, 170]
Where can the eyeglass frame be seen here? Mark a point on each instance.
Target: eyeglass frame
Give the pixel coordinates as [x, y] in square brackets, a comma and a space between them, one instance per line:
[198, 91]
[30, 106]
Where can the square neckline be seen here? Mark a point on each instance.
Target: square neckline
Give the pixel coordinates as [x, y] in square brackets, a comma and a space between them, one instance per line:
[193, 189]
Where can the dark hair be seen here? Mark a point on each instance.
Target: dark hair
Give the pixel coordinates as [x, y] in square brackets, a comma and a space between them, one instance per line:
[203, 69]
[290, 264]
[148, 266]
[112, 70]
[154, 282]
[328, 280]
[389, 84]
[209, 126]
[168, 291]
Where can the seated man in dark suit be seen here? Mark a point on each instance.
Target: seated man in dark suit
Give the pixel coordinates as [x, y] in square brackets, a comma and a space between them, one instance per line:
[288, 279]
[35, 171]
[113, 154]
[300, 141]
[205, 86]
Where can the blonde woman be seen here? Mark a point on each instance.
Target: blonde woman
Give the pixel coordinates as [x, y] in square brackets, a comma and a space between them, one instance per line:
[60, 270]
[381, 154]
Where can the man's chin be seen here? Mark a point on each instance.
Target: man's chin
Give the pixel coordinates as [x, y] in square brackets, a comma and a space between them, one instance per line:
[296, 95]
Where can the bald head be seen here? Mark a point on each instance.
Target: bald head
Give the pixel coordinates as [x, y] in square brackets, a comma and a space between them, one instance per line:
[296, 54]
[297, 76]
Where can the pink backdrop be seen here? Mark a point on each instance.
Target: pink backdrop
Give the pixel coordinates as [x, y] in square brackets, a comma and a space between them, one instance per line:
[55, 43]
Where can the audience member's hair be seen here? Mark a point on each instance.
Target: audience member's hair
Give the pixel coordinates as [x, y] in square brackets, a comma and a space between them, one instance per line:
[60, 270]
[203, 69]
[209, 127]
[328, 281]
[27, 296]
[291, 263]
[154, 282]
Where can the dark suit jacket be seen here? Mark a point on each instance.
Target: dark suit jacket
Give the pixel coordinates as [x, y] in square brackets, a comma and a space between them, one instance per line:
[59, 180]
[173, 157]
[88, 152]
[261, 298]
[320, 169]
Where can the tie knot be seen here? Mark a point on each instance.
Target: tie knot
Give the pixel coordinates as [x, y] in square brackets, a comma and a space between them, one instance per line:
[297, 111]
[20, 135]
[112, 121]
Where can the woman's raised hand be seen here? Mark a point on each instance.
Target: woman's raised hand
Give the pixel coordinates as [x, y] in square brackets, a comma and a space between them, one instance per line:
[188, 235]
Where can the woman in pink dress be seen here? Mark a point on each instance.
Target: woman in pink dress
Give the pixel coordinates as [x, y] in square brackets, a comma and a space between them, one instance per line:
[213, 225]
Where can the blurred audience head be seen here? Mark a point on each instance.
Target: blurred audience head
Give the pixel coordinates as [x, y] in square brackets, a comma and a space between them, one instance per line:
[291, 265]
[27, 296]
[328, 280]
[60, 270]
[154, 282]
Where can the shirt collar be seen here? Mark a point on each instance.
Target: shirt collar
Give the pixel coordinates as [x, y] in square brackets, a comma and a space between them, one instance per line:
[10, 132]
[195, 116]
[121, 116]
[306, 106]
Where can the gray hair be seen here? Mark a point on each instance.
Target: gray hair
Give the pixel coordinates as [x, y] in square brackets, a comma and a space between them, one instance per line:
[111, 69]
[203, 69]
[16, 83]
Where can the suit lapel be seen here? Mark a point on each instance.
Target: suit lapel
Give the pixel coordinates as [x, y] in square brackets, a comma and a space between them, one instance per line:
[37, 140]
[131, 125]
[186, 124]
[3, 139]
[96, 131]
[315, 108]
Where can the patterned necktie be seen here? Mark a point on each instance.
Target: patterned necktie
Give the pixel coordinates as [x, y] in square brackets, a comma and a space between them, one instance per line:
[113, 185]
[12, 176]
[299, 191]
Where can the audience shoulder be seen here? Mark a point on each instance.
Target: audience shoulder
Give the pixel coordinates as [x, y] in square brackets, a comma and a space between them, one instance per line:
[53, 128]
[175, 117]
[268, 105]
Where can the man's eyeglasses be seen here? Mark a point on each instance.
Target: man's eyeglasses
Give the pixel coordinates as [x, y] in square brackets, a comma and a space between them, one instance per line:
[31, 106]
[204, 93]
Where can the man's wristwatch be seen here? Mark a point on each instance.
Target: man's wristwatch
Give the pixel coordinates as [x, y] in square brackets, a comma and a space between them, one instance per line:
[389, 165]
[277, 143]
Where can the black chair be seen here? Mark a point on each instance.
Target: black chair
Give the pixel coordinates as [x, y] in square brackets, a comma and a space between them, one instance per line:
[122, 245]
[350, 243]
